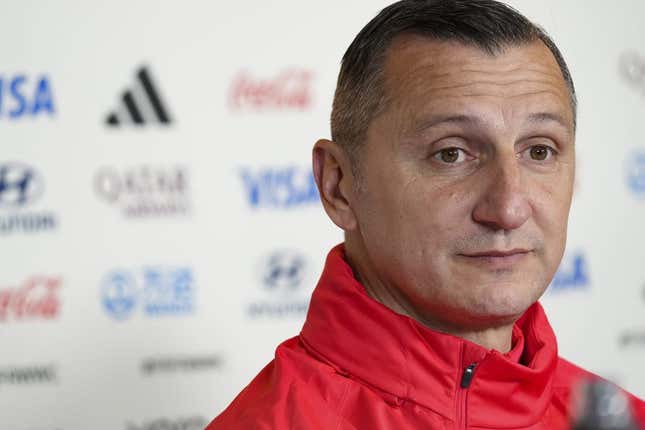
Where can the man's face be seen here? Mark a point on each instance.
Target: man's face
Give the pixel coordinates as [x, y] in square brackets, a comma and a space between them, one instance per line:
[466, 179]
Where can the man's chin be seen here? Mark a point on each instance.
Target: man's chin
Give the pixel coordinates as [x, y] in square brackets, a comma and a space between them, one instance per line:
[499, 311]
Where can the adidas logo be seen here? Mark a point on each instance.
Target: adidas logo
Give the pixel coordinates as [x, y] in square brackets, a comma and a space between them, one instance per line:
[140, 105]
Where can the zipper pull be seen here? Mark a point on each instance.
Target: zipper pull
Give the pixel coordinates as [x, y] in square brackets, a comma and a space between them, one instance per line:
[467, 376]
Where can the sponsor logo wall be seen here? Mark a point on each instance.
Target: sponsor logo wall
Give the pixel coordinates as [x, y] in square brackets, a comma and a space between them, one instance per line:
[159, 218]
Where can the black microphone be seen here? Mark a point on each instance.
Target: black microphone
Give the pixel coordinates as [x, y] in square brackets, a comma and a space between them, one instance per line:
[600, 405]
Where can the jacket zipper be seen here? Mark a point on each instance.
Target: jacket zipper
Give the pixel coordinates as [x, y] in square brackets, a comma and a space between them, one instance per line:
[462, 394]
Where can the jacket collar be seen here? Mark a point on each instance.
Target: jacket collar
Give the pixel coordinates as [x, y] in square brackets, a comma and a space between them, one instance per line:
[405, 361]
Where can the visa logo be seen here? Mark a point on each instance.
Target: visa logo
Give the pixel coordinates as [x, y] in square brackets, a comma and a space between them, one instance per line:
[21, 96]
[279, 188]
[572, 274]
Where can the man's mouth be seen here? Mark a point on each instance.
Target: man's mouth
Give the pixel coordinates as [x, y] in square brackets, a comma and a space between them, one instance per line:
[496, 258]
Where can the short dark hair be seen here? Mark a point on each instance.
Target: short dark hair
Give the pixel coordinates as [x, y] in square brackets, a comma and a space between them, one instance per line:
[486, 24]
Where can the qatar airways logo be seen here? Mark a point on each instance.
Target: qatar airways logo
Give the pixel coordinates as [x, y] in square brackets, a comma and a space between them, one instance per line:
[145, 191]
[36, 299]
[288, 90]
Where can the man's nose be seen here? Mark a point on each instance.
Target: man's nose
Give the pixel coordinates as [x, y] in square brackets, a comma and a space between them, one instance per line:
[503, 204]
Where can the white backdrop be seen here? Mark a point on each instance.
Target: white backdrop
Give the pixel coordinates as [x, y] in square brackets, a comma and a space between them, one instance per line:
[149, 268]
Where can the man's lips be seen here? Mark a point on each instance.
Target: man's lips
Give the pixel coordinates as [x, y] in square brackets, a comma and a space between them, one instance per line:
[497, 253]
[497, 259]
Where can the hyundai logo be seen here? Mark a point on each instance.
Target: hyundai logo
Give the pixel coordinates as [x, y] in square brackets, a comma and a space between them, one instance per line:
[19, 185]
[283, 270]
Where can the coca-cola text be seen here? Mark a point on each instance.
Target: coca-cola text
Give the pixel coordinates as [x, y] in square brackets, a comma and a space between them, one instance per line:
[291, 89]
[37, 298]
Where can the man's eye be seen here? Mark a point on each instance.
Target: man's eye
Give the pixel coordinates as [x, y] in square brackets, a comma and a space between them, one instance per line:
[451, 155]
[540, 152]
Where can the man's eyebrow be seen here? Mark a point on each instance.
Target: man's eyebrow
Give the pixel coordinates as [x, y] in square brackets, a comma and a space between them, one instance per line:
[435, 120]
[542, 117]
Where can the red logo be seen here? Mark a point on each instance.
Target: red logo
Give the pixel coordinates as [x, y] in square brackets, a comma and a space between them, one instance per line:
[289, 90]
[37, 298]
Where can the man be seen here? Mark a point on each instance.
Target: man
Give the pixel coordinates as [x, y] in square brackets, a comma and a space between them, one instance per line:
[451, 172]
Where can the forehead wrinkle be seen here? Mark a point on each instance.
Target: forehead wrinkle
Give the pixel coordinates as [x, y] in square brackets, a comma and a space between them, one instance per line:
[446, 81]
[429, 98]
[459, 109]
[437, 59]
[435, 73]
[490, 89]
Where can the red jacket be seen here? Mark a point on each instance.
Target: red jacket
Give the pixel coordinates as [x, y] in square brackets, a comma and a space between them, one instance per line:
[358, 365]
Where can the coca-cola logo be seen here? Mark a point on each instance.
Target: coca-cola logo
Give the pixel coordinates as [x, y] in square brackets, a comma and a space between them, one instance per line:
[37, 298]
[290, 89]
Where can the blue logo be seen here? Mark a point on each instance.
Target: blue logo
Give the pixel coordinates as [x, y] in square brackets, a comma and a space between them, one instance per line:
[22, 96]
[19, 185]
[280, 188]
[119, 294]
[573, 274]
[636, 172]
[154, 291]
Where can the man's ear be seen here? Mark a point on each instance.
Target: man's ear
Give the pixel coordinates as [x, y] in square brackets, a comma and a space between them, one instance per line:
[335, 181]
